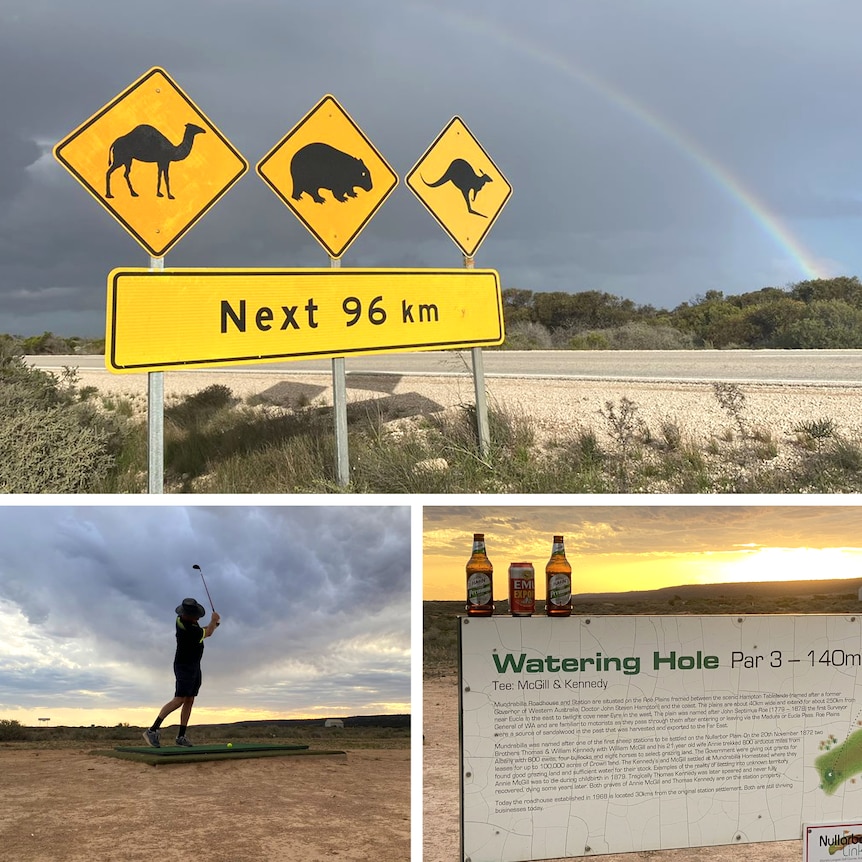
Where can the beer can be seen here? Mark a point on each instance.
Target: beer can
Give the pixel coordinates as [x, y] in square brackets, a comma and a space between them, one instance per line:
[522, 589]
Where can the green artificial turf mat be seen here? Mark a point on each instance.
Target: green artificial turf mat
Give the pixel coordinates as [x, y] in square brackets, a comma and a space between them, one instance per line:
[199, 753]
[221, 748]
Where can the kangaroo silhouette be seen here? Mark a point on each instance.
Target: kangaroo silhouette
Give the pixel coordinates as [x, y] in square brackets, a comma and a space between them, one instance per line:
[147, 144]
[461, 174]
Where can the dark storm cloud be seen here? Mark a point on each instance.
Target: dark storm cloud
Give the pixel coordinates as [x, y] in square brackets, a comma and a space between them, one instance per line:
[312, 599]
[649, 146]
[664, 529]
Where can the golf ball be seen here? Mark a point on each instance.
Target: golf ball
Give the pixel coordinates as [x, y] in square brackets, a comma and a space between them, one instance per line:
[230, 745]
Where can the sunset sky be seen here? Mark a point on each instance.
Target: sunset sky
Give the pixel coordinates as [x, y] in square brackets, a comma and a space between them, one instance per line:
[636, 547]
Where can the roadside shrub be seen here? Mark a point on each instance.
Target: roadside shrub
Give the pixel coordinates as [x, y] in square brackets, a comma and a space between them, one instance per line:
[50, 440]
[527, 335]
[594, 340]
[830, 323]
[731, 399]
[647, 336]
[12, 731]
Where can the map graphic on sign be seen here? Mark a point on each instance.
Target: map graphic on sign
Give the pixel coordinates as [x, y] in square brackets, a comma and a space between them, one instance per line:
[460, 186]
[153, 160]
[329, 174]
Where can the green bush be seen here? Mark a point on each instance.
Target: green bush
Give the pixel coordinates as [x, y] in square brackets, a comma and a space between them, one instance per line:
[51, 440]
[12, 731]
[527, 335]
[828, 324]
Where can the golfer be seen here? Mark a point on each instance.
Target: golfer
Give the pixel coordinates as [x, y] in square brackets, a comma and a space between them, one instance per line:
[187, 669]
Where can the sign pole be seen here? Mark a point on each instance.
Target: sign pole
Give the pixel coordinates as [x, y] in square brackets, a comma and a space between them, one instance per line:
[339, 408]
[156, 417]
[479, 387]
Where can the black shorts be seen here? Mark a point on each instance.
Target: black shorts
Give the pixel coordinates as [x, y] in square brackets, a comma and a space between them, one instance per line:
[188, 680]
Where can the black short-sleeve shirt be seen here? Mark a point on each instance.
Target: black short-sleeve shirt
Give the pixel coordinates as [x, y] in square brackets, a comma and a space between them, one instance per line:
[190, 642]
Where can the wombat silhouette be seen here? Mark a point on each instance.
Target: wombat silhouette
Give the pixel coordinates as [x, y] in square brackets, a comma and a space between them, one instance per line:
[461, 174]
[319, 166]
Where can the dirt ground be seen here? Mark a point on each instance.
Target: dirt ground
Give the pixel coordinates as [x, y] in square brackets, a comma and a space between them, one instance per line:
[440, 807]
[71, 806]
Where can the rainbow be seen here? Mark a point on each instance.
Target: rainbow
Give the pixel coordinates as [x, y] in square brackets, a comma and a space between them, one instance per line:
[718, 173]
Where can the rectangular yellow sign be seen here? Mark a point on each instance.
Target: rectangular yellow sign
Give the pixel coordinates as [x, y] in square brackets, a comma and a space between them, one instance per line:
[181, 318]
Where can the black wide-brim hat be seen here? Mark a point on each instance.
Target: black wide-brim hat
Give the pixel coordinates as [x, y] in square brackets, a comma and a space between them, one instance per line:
[191, 608]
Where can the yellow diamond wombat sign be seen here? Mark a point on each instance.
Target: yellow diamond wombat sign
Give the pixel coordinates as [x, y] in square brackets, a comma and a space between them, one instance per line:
[153, 160]
[329, 174]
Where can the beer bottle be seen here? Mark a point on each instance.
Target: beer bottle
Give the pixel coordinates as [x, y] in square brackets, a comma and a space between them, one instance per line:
[558, 582]
[480, 580]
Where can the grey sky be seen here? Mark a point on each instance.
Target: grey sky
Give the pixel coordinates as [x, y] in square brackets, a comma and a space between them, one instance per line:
[656, 149]
[315, 603]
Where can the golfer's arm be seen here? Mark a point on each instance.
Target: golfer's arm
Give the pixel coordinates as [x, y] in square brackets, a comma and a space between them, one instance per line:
[213, 625]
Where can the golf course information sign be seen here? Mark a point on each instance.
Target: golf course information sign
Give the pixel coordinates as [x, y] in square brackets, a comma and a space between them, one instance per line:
[586, 736]
[153, 160]
[180, 318]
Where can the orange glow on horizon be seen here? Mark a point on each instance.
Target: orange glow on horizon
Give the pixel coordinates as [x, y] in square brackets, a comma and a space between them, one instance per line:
[647, 548]
[143, 716]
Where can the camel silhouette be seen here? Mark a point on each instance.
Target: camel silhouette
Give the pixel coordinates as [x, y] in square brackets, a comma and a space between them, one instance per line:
[147, 144]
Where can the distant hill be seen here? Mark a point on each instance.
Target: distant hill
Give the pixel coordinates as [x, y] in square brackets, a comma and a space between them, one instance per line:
[765, 589]
[400, 720]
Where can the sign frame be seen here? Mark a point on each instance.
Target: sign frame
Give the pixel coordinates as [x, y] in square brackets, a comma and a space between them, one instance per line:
[266, 166]
[157, 249]
[610, 734]
[468, 245]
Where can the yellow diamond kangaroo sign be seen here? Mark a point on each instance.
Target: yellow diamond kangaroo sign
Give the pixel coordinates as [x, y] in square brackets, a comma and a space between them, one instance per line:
[460, 186]
[329, 174]
[153, 160]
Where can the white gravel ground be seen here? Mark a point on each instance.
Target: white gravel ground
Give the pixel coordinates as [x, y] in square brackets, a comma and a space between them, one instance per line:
[554, 407]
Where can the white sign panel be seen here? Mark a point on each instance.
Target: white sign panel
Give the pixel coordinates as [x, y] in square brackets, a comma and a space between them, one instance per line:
[831, 842]
[583, 736]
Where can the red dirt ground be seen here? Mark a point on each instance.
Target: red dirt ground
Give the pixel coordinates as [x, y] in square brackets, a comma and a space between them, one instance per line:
[71, 806]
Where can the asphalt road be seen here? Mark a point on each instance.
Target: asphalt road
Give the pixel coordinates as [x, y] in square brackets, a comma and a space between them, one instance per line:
[834, 367]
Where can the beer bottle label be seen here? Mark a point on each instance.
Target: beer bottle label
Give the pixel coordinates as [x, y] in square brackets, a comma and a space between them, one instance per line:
[479, 589]
[559, 589]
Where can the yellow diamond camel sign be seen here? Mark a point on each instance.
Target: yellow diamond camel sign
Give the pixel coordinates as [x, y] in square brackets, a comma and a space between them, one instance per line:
[153, 160]
[329, 174]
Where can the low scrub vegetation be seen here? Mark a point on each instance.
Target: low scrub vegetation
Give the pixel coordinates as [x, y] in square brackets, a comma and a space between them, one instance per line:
[814, 314]
[60, 438]
[302, 733]
[53, 436]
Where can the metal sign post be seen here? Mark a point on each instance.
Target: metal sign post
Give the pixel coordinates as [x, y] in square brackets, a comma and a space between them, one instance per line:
[327, 152]
[156, 417]
[145, 129]
[339, 408]
[454, 176]
[482, 427]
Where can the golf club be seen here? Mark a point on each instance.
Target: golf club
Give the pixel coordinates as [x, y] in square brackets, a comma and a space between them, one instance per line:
[196, 566]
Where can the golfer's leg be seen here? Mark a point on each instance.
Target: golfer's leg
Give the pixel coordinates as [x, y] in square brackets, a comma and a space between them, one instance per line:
[170, 706]
[188, 703]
